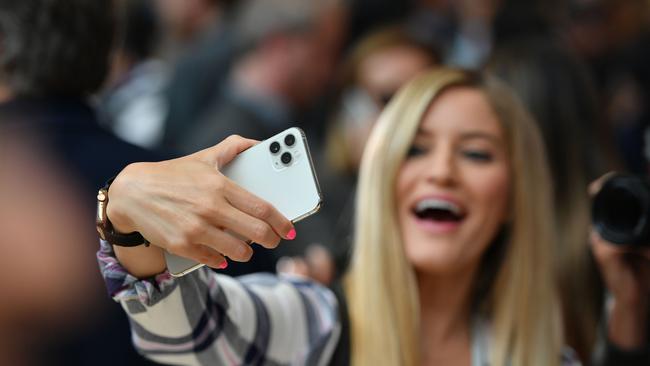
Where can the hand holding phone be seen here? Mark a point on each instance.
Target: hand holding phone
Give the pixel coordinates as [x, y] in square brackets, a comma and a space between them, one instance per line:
[186, 206]
[278, 170]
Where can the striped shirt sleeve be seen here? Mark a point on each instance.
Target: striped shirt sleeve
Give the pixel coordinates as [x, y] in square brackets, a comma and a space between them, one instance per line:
[205, 318]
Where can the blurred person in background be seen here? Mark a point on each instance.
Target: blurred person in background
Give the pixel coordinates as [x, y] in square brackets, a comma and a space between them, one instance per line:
[624, 337]
[613, 37]
[134, 106]
[462, 29]
[369, 15]
[40, 252]
[473, 41]
[54, 54]
[287, 53]
[198, 45]
[453, 247]
[374, 69]
[189, 20]
[558, 90]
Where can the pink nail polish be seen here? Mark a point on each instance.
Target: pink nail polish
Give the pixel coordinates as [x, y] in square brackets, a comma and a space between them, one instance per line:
[223, 264]
[292, 234]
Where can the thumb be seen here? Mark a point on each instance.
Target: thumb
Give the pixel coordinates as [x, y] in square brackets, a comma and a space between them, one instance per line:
[222, 153]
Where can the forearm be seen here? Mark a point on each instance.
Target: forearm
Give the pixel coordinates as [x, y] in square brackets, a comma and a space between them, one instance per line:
[142, 262]
[189, 320]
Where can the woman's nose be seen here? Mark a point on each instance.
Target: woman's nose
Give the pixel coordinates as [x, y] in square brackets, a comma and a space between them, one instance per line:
[441, 169]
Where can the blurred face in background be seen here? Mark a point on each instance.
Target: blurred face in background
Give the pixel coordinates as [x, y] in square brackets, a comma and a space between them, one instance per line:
[48, 276]
[402, 64]
[379, 76]
[184, 19]
[452, 189]
[314, 55]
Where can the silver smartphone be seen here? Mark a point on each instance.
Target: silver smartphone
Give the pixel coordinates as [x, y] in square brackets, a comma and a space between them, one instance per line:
[280, 171]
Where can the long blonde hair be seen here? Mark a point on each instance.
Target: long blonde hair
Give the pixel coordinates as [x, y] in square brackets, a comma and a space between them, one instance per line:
[381, 285]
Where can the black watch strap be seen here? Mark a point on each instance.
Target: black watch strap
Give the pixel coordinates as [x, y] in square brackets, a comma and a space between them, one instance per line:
[133, 239]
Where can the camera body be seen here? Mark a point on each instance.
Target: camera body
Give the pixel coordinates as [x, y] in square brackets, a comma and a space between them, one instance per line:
[621, 211]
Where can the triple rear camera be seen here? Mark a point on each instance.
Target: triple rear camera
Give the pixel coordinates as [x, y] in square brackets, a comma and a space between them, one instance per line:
[275, 147]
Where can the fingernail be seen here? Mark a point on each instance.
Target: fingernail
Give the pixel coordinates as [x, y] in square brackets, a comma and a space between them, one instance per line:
[223, 264]
[292, 234]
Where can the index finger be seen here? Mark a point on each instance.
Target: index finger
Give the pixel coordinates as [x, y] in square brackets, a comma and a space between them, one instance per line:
[223, 152]
[251, 204]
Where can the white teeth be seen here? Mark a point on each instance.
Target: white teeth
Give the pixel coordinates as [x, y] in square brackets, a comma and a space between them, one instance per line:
[439, 205]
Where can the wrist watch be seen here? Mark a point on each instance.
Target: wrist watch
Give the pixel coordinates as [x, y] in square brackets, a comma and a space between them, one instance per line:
[105, 228]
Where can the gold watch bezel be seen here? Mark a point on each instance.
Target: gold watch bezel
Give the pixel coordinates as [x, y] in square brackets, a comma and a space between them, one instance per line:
[102, 200]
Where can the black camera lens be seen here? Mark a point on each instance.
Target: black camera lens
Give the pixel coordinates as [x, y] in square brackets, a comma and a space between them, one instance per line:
[289, 140]
[275, 147]
[621, 211]
[286, 158]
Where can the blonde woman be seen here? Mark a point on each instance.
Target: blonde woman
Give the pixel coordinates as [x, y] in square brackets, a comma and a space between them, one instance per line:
[451, 263]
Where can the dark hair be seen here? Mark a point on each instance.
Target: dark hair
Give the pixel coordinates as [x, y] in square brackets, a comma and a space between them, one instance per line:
[55, 47]
[141, 29]
[558, 91]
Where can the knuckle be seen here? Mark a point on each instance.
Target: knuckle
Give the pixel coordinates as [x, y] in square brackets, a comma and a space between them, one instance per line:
[218, 184]
[274, 242]
[177, 245]
[245, 252]
[234, 138]
[207, 257]
[262, 233]
[127, 169]
[261, 210]
[204, 258]
[193, 229]
[205, 211]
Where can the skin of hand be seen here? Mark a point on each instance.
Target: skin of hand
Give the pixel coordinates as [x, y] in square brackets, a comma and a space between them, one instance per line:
[187, 207]
[626, 274]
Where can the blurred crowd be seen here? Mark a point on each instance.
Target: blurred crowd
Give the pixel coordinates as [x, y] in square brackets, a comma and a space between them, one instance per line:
[87, 87]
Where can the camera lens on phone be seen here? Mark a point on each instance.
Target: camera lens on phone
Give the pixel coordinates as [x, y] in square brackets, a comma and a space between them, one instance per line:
[275, 147]
[289, 140]
[286, 158]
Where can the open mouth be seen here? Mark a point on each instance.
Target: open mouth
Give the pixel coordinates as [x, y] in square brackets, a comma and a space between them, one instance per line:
[439, 211]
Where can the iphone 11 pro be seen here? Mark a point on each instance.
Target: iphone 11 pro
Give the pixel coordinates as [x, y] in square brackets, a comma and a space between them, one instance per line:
[280, 171]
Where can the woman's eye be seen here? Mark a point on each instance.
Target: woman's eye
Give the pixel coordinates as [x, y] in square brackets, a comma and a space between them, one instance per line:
[415, 151]
[478, 155]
